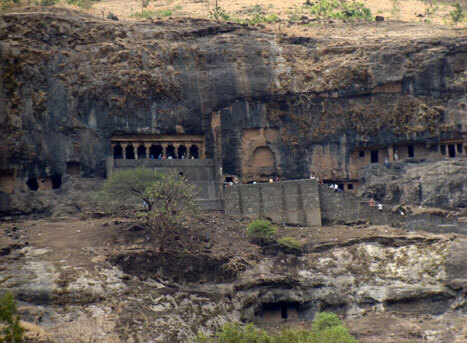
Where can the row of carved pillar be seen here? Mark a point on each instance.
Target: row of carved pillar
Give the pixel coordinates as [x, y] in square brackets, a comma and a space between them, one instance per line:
[176, 150]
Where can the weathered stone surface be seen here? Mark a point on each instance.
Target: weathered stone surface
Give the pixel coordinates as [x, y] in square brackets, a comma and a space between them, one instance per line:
[69, 81]
[437, 184]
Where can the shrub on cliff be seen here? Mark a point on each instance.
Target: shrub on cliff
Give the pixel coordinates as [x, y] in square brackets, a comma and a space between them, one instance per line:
[10, 329]
[289, 243]
[168, 201]
[326, 328]
[261, 230]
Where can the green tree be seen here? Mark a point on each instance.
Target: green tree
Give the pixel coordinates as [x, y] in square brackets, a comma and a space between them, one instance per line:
[125, 188]
[261, 230]
[169, 199]
[10, 329]
[457, 14]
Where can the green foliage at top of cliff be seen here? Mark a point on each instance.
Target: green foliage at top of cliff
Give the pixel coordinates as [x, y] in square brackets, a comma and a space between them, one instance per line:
[326, 328]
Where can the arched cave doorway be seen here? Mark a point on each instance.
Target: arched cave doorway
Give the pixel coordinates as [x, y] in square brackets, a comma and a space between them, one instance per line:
[181, 151]
[171, 151]
[118, 152]
[155, 151]
[141, 152]
[130, 152]
[194, 152]
[263, 161]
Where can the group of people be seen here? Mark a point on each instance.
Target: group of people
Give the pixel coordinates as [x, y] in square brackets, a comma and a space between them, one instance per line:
[170, 157]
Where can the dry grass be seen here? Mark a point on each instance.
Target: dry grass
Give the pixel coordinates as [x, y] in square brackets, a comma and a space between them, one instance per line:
[409, 9]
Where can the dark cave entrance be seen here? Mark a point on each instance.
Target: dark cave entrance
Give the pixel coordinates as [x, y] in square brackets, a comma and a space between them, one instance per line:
[182, 151]
[56, 181]
[155, 151]
[118, 152]
[130, 152]
[141, 152]
[276, 313]
[171, 151]
[452, 150]
[194, 153]
[374, 156]
[33, 184]
[74, 168]
[411, 151]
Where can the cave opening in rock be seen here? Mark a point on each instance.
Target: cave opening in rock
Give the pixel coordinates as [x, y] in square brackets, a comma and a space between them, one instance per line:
[459, 148]
[56, 181]
[155, 151]
[374, 156]
[411, 150]
[443, 149]
[33, 184]
[141, 152]
[452, 150]
[171, 151]
[275, 313]
[130, 152]
[181, 151]
[118, 152]
[194, 151]
[73, 168]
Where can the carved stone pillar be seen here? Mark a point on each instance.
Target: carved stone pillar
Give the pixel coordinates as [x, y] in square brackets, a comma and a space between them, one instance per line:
[176, 147]
[124, 145]
[135, 150]
[202, 152]
[391, 153]
[148, 150]
[164, 149]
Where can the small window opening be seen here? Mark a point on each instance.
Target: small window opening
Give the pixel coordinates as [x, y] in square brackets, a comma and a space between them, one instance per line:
[350, 186]
[118, 152]
[443, 149]
[284, 314]
[181, 174]
[194, 151]
[130, 152]
[361, 153]
[141, 152]
[452, 150]
[374, 156]
[32, 184]
[411, 151]
[229, 179]
[56, 181]
[340, 186]
[459, 148]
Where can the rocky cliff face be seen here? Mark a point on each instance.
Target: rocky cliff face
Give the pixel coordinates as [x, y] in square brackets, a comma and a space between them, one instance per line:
[70, 81]
[95, 279]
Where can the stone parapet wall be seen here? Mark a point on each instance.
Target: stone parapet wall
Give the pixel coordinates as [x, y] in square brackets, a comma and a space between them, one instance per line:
[292, 202]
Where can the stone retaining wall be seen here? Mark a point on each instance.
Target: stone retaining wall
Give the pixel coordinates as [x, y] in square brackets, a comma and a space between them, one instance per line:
[292, 202]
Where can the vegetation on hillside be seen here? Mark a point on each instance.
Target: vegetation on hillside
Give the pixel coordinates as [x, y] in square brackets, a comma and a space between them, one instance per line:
[157, 200]
[326, 328]
[10, 328]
